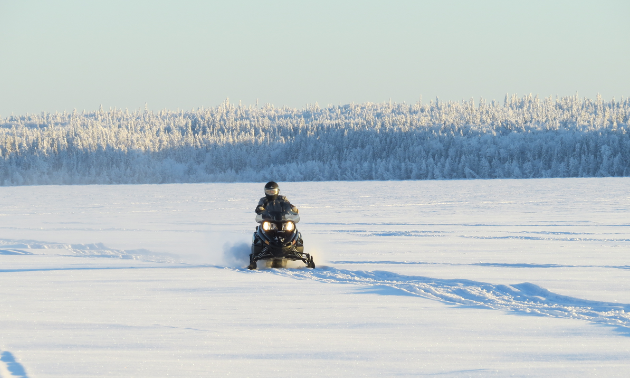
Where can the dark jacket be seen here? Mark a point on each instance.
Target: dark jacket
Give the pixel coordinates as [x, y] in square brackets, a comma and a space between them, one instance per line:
[281, 204]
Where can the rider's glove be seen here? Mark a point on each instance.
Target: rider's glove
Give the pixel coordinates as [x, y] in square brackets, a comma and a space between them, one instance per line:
[259, 209]
[295, 209]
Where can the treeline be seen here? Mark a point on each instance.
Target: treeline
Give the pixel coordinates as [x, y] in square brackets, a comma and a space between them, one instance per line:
[519, 138]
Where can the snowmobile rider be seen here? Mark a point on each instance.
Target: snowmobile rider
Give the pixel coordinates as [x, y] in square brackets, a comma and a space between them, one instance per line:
[273, 201]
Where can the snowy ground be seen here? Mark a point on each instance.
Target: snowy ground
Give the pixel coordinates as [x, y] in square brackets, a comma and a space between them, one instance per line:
[457, 278]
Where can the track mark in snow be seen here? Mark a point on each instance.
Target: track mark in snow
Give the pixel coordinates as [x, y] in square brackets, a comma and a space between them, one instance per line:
[33, 247]
[13, 252]
[522, 235]
[497, 265]
[522, 298]
[9, 367]
[413, 233]
[565, 239]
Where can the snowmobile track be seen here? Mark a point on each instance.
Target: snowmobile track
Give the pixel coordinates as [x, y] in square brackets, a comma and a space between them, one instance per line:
[525, 298]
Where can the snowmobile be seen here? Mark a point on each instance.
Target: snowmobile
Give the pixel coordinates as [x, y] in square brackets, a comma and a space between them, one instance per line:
[277, 240]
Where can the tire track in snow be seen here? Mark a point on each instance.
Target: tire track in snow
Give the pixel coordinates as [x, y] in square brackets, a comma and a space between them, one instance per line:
[526, 298]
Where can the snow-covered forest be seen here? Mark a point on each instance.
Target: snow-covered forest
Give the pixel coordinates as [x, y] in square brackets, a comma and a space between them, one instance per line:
[519, 138]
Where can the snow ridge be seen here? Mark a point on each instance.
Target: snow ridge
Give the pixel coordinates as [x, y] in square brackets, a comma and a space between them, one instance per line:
[33, 247]
[524, 298]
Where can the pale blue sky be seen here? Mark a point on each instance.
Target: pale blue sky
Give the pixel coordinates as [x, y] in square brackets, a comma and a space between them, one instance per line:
[61, 55]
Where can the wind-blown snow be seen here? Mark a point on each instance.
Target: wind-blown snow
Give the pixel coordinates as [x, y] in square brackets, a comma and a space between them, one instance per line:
[524, 137]
[457, 278]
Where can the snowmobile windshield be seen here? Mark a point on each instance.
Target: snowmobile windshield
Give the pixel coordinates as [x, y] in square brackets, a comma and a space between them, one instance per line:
[272, 191]
[278, 216]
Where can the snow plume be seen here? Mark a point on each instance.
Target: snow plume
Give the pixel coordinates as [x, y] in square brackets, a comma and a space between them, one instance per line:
[236, 255]
[522, 138]
[218, 247]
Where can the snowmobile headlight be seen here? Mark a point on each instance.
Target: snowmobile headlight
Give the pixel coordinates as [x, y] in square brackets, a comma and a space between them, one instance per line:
[269, 226]
[289, 226]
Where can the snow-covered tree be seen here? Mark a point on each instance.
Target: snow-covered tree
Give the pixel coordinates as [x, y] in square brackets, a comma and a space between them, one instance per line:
[523, 137]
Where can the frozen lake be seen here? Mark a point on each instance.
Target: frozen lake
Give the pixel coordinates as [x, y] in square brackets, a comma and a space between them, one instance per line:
[457, 278]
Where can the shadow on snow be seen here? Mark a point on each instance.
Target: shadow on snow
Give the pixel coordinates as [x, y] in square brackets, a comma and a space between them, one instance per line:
[15, 368]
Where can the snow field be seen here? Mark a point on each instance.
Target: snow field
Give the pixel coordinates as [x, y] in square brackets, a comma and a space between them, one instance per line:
[457, 278]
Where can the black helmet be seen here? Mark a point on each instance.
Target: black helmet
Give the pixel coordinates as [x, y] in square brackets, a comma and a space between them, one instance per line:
[272, 190]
